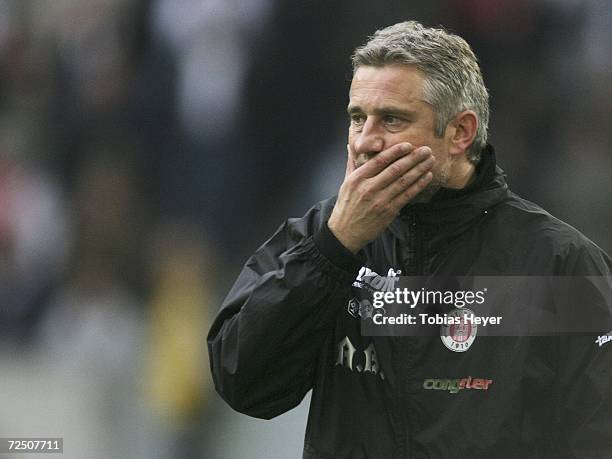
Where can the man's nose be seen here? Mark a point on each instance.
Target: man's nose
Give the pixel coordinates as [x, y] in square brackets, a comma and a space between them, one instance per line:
[371, 139]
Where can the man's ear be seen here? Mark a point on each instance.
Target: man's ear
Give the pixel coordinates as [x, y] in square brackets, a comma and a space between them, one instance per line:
[465, 126]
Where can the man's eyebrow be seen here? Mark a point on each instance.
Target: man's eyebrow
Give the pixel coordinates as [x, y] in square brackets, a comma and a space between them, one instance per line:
[379, 111]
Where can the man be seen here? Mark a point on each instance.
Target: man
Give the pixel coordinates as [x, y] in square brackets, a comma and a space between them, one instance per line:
[422, 196]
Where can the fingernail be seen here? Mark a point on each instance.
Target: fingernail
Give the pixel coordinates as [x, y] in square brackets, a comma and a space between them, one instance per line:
[406, 147]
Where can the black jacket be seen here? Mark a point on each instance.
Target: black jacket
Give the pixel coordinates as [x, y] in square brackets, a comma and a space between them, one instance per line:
[289, 324]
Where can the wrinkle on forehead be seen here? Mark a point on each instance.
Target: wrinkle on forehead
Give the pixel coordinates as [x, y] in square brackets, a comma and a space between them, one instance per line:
[397, 83]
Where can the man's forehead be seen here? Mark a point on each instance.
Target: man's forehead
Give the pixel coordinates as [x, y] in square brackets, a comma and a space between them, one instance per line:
[391, 83]
[389, 71]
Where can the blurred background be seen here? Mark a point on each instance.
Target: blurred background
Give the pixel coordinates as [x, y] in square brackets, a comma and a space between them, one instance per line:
[147, 147]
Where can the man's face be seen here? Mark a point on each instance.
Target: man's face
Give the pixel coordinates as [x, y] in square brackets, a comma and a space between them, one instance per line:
[386, 107]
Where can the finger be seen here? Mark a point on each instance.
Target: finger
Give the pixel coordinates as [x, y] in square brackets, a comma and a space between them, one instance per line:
[396, 170]
[350, 162]
[409, 193]
[383, 159]
[406, 180]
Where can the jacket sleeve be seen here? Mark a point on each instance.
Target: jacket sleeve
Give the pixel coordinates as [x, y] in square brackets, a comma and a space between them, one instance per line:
[264, 343]
[585, 363]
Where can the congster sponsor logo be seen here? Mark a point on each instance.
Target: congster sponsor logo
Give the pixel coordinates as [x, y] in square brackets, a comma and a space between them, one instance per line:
[455, 385]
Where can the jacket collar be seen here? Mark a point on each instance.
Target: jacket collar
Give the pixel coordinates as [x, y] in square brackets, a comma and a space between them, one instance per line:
[455, 209]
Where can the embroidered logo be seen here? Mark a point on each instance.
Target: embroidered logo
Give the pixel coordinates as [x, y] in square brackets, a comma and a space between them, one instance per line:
[453, 386]
[459, 337]
[364, 362]
[374, 282]
[603, 339]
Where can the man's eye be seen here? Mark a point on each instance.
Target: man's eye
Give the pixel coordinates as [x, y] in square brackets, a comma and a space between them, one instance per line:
[357, 119]
[391, 119]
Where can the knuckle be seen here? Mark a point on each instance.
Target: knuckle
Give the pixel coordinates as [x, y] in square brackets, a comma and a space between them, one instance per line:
[419, 185]
[408, 192]
[350, 182]
[423, 181]
[375, 209]
[404, 181]
[389, 210]
[367, 194]
[381, 208]
[395, 170]
[379, 161]
[397, 151]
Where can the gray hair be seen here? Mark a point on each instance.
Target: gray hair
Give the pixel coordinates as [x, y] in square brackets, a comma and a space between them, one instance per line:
[453, 81]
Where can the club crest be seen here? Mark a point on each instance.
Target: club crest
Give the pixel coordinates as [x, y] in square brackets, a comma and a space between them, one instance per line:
[459, 337]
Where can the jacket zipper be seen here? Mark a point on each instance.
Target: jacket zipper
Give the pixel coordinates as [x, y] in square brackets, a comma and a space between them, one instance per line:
[417, 268]
[416, 265]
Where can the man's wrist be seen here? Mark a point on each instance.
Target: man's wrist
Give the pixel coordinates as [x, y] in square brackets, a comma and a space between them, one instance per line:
[348, 244]
[335, 251]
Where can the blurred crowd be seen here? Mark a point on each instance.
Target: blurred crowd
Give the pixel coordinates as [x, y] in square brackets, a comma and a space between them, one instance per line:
[148, 146]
